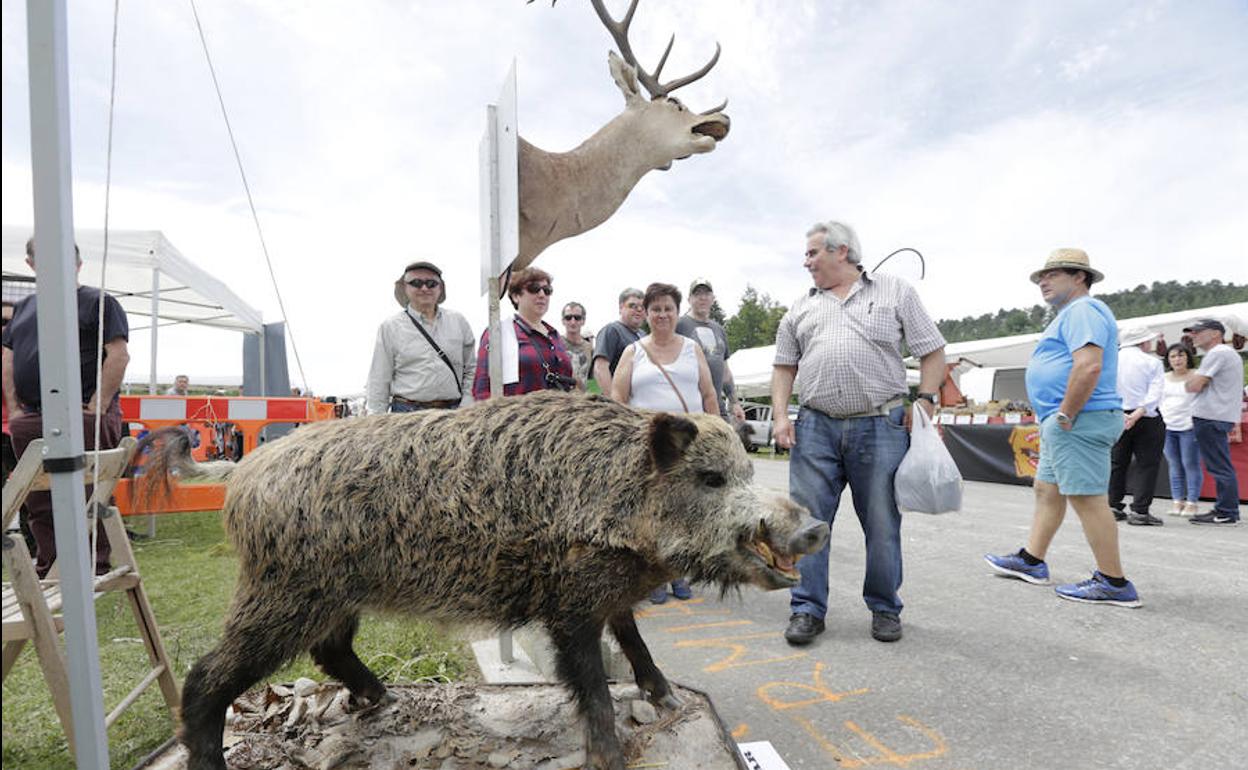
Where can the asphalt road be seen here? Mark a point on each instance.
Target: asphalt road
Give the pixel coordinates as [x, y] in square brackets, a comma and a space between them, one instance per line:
[992, 672]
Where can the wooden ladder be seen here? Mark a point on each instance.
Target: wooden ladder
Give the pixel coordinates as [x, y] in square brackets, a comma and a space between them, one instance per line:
[32, 606]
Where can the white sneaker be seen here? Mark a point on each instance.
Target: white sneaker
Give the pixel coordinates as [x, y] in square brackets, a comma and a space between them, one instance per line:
[1191, 509]
[1178, 508]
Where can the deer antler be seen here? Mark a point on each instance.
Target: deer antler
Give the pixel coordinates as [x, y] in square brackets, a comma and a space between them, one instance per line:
[619, 32]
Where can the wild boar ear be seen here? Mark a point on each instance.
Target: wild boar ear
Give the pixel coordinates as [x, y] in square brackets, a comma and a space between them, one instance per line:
[670, 436]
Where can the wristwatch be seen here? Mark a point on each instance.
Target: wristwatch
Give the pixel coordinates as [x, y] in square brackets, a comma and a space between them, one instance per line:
[932, 397]
[1064, 419]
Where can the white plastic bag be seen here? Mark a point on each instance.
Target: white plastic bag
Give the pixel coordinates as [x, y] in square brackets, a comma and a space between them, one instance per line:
[928, 480]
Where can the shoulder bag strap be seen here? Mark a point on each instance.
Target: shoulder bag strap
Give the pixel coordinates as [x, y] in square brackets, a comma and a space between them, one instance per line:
[655, 361]
[436, 349]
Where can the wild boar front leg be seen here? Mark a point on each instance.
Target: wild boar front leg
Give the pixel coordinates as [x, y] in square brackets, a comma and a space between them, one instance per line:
[649, 678]
[580, 668]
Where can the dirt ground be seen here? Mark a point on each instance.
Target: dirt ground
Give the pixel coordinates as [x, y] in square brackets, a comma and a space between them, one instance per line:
[440, 727]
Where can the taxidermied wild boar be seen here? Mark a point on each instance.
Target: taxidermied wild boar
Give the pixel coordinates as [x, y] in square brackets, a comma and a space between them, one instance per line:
[551, 507]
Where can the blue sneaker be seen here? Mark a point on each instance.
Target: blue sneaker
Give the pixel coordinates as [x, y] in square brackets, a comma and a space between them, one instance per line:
[1013, 565]
[659, 595]
[680, 589]
[1098, 590]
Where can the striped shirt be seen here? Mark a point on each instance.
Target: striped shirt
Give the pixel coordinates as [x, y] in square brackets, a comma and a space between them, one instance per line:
[848, 351]
[404, 364]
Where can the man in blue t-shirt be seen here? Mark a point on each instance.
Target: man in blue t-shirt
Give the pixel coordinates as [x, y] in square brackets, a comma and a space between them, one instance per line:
[1072, 384]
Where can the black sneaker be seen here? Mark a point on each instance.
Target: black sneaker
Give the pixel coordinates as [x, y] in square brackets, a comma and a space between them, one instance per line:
[885, 626]
[1144, 520]
[803, 628]
[1214, 517]
[1119, 514]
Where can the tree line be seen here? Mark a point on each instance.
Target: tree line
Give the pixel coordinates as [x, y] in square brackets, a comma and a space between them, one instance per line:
[758, 317]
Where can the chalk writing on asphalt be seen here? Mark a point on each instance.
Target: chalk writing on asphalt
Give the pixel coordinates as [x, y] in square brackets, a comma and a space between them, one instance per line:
[811, 705]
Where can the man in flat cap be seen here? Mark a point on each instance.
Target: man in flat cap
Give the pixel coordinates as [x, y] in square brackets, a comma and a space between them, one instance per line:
[1072, 385]
[425, 356]
[1219, 388]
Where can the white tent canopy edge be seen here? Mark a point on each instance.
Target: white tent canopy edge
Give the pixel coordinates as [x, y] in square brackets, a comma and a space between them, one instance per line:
[140, 261]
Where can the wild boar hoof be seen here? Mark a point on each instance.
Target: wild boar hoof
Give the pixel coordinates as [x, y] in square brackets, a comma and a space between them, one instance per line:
[369, 701]
[670, 701]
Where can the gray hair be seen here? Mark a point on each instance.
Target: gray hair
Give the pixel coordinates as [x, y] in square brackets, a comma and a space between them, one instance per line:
[836, 235]
[631, 292]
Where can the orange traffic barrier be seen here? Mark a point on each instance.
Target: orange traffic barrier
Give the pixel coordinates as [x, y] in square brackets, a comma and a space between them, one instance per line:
[184, 498]
[249, 414]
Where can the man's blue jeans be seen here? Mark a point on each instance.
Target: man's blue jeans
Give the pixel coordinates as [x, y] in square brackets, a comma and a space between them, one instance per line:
[1215, 451]
[863, 452]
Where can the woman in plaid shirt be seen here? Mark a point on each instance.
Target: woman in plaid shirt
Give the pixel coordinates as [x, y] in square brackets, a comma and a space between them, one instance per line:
[544, 360]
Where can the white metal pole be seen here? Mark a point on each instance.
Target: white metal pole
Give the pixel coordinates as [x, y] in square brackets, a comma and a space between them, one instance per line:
[506, 652]
[59, 370]
[151, 383]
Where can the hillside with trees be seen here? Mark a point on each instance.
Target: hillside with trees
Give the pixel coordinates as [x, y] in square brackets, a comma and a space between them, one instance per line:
[758, 316]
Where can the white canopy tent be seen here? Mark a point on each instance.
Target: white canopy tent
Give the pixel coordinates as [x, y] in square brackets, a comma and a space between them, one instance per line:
[751, 371]
[981, 364]
[144, 269]
[148, 276]
[1014, 351]
[751, 368]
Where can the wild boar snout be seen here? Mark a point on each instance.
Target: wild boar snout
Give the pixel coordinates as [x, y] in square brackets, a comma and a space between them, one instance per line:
[810, 538]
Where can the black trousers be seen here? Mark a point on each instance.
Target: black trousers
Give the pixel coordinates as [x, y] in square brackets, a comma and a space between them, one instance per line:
[1134, 462]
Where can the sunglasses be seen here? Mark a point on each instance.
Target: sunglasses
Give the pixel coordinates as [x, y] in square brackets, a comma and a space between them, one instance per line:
[534, 288]
[425, 283]
[571, 317]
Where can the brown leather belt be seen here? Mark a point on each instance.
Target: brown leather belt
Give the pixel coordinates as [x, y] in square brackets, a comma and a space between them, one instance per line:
[446, 403]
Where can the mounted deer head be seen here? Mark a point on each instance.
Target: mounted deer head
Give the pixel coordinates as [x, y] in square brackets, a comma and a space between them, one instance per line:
[566, 194]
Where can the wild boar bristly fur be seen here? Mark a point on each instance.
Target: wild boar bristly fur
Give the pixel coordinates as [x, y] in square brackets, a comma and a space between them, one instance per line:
[555, 508]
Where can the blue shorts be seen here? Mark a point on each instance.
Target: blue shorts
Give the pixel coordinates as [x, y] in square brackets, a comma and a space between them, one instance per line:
[1077, 460]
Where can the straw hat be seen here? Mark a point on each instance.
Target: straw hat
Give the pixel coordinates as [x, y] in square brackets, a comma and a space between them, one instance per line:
[1073, 259]
[1135, 336]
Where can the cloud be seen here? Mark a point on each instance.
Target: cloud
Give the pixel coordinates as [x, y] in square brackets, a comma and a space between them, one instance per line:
[984, 134]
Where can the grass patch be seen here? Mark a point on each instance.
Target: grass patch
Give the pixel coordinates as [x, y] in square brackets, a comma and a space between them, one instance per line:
[189, 571]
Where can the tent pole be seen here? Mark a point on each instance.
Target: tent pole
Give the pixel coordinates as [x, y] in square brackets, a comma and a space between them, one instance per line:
[152, 384]
[61, 388]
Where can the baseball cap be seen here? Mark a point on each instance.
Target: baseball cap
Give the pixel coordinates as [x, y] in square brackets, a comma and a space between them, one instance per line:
[1206, 323]
[698, 283]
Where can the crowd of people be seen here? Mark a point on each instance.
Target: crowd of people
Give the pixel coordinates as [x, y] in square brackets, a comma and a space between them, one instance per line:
[1107, 404]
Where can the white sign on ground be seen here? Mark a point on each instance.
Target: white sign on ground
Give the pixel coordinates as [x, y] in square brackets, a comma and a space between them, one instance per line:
[761, 755]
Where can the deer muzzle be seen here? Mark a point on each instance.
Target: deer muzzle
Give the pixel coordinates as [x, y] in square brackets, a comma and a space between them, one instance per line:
[715, 126]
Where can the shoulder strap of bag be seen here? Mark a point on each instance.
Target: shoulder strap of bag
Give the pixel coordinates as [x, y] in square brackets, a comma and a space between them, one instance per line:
[655, 361]
[436, 349]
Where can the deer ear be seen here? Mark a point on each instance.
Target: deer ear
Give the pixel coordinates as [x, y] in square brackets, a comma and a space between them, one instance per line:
[625, 76]
[670, 436]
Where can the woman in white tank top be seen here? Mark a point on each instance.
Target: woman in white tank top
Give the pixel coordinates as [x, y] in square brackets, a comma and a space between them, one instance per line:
[642, 378]
[639, 378]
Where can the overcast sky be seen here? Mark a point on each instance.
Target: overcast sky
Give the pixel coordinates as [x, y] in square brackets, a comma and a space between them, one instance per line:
[984, 134]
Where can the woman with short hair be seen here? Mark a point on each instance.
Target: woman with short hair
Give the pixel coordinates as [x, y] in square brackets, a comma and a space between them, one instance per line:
[544, 363]
[665, 371]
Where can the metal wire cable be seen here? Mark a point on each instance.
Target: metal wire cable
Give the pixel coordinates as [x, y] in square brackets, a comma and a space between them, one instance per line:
[250, 202]
[99, 320]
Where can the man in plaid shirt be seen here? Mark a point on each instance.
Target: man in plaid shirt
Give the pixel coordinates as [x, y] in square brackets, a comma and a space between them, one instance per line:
[845, 337]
